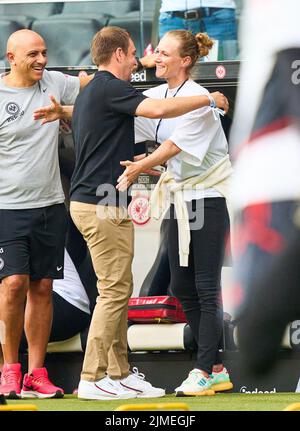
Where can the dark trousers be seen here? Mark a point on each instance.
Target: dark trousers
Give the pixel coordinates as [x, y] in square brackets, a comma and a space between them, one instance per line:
[198, 286]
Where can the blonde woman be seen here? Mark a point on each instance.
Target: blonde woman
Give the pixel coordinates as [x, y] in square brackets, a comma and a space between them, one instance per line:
[196, 149]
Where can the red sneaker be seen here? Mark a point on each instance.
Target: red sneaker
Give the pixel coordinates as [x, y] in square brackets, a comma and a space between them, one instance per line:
[11, 378]
[38, 385]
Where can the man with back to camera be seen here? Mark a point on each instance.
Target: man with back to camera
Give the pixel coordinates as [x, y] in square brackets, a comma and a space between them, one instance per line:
[103, 129]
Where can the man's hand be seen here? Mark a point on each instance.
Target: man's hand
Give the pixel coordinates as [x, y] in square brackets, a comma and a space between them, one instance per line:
[221, 100]
[49, 113]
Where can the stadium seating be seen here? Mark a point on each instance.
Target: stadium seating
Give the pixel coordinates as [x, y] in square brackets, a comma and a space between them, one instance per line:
[25, 14]
[109, 8]
[148, 12]
[6, 28]
[132, 24]
[100, 10]
[86, 61]
[68, 40]
[69, 27]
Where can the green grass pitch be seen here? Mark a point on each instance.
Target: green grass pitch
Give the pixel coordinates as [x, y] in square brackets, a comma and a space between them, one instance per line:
[218, 402]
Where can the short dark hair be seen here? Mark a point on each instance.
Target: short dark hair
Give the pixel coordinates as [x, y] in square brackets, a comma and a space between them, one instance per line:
[106, 41]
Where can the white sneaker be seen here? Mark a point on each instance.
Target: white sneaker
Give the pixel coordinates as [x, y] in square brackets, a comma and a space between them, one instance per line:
[195, 385]
[136, 383]
[104, 389]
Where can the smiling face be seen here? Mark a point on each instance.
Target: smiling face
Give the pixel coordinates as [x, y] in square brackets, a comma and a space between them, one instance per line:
[27, 54]
[169, 64]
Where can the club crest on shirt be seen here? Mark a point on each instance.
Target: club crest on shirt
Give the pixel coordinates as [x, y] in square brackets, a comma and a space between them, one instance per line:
[14, 112]
[12, 108]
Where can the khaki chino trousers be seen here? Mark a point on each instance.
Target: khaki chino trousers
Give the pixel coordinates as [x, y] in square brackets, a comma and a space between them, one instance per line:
[109, 235]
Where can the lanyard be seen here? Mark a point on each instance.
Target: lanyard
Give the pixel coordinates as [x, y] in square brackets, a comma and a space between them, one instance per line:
[158, 125]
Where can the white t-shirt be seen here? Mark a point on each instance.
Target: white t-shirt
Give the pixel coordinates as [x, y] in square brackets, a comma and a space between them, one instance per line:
[71, 288]
[172, 5]
[29, 169]
[200, 137]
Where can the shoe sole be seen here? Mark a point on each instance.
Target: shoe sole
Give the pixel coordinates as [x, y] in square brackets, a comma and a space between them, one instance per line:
[34, 394]
[208, 392]
[148, 395]
[12, 395]
[87, 396]
[220, 387]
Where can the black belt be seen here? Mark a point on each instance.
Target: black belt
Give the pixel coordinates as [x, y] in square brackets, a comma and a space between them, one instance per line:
[194, 13]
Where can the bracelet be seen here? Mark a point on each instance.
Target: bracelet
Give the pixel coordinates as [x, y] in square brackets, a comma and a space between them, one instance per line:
[212, 101]
[140, 66]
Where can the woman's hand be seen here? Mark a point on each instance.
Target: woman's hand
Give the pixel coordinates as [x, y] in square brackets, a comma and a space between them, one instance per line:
[220, 100]
[130, 174]
[49, 113]
[132, 171]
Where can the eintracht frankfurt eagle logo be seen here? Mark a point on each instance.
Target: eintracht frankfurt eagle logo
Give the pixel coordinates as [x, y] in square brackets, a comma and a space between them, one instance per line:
[139, 210]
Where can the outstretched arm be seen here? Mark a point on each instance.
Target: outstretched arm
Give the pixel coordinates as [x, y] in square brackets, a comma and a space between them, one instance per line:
[133, 169]
[174, 107]
[54, 111]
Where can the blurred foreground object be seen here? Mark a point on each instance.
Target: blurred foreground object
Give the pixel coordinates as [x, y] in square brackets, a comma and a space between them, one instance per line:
[265, 140]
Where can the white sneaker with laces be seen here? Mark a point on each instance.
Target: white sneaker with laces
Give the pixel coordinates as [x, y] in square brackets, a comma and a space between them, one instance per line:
[195, 385]
[136, 383]
[104, 389]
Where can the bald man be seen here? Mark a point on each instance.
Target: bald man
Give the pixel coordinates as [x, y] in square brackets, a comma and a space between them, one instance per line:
[32, 212]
